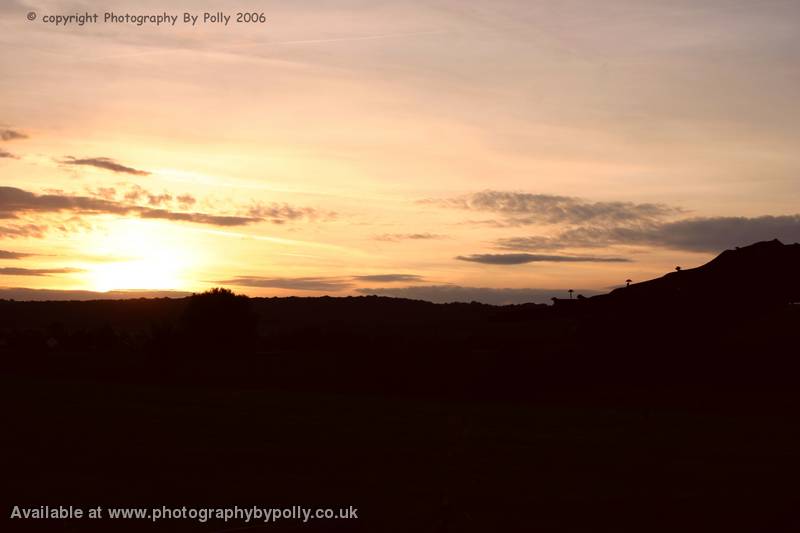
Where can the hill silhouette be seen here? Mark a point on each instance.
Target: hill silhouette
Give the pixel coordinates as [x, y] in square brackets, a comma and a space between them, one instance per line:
[672, 398]
[705, 323]
[764, 273]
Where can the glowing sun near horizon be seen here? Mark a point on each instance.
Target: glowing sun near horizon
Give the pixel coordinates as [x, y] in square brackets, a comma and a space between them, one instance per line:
[148, 259]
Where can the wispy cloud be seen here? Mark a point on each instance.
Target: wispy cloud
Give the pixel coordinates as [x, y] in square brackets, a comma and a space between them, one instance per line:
[710, 234]
[15, 271]
[278, 213]
[389, 277]
[159, 202]
[185, 201]
[197, 218]
[107, 193]
[14, 201]
[11, 135]
[519, 208]
[22, 230]
[301, 284]
[105, 163]
[519, 259]
[136, 193]
[319, 284]
[8, 155]
[6, 254]
[397, 237]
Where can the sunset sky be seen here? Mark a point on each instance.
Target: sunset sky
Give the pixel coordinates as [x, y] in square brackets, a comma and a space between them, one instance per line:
[501, 151]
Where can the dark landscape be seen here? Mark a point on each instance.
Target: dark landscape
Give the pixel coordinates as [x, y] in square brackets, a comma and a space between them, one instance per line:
[668, 405]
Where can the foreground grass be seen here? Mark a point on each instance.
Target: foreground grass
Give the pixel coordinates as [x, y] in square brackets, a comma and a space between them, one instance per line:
[407, 464]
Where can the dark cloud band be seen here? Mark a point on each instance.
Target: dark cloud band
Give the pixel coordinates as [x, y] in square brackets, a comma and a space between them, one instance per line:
[389, 277]
[396, 237]
[518, 208]
[105, 163]
[6, 254]
[22, 230]
[11, 135]
[519, 259]
[319, 284]
[300, 284]
[14, 202]
[15, 271]
[711, 234]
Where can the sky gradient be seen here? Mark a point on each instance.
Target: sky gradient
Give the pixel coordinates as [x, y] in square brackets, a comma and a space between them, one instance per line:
[499, 151]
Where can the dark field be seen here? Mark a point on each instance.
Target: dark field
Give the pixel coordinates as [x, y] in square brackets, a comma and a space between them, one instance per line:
[406, 464]
[670, 405]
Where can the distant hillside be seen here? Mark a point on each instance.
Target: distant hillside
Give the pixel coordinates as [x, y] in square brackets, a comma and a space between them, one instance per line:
[44, 295]
[722, 326]
[763, 273]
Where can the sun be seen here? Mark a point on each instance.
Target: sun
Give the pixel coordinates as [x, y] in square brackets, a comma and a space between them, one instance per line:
[142, 255]
[150, 273]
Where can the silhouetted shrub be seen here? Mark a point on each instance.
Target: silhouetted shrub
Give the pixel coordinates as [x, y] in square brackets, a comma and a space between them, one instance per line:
[220, 321]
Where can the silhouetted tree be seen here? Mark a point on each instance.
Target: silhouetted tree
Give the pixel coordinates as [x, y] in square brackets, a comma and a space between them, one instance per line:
[628, 282]
[219, 320]
[570, 293]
